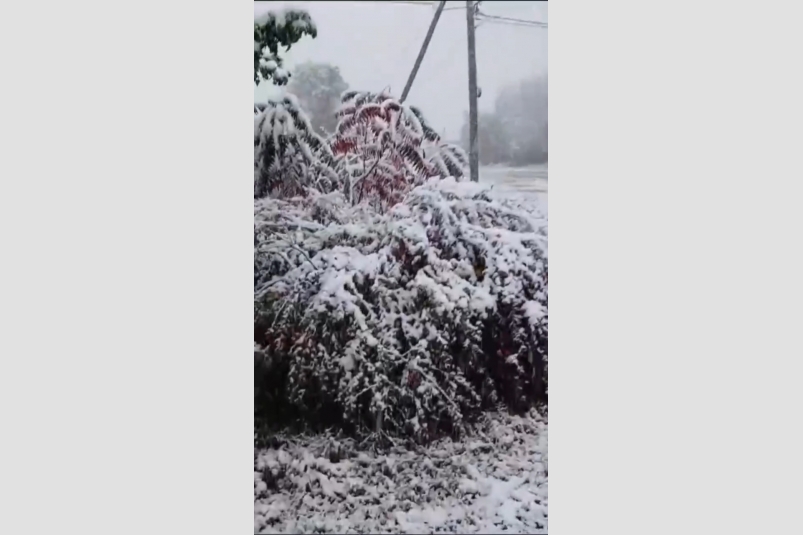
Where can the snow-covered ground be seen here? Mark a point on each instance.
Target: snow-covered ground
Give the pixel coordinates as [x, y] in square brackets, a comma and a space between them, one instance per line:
[528, 182]
[492, 482]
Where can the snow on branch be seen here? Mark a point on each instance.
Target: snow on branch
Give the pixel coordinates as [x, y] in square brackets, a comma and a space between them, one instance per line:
[377, 127]
[272, 31]
[407, 322]
[289, 157]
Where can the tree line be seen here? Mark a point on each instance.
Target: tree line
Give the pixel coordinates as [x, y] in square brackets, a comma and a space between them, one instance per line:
[515, 132]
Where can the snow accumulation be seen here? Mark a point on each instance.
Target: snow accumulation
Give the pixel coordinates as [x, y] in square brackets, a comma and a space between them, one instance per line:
[528, 184]
[269, 64]
[280, 17]
[494, 481]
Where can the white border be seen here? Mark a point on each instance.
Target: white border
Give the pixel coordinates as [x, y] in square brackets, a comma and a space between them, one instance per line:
[674, 223]
[125, 375]
[125, 217]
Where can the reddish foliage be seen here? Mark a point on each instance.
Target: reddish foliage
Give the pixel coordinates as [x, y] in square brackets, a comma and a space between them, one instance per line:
[385, 143]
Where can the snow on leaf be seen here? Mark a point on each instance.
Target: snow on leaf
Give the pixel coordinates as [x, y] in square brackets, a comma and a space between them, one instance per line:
[409, 308]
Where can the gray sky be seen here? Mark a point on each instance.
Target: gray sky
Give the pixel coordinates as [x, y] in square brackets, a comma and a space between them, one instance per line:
[375, 45]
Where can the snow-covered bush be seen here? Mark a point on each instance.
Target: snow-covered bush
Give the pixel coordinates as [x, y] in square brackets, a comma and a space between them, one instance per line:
[387, 298]
[386, 148]
[381, 150]
[407, 322]
[289, 157]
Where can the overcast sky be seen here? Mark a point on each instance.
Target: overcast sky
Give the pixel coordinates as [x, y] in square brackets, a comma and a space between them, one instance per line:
[375, 45]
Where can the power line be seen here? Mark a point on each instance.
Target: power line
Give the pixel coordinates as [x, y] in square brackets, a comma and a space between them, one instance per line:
[520, 22]
[512, 23]
[512, 19]
[411, 2]
[496, 18]
[500, 23]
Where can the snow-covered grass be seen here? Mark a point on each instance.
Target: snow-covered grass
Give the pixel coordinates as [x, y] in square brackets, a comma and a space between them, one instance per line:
[494, 481]
[527, 183]
[533, 176]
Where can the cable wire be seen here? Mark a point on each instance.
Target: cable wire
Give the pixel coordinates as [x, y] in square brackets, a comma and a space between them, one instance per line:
[515, 24]
[520, 22]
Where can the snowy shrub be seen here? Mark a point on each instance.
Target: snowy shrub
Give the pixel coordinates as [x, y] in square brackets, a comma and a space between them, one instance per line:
[389, 297]
[407, 322]
[385, 148]
[289, 158]
[380, 151]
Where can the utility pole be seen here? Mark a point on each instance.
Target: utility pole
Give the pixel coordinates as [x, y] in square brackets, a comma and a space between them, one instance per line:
[473, 154]
[423, 50]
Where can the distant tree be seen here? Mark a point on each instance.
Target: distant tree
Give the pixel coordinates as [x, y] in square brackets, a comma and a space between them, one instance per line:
[515, 133]
[494, 141]
[318, 87]
[523, 109]
[275, 29]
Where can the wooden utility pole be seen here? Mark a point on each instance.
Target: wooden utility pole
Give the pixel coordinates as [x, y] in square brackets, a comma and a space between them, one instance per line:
[423, 50]
[473, 153]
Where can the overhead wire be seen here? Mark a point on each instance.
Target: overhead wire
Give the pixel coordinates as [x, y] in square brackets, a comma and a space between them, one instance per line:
[511, 20]
[427, 4]
[515, 24]
[448, 58]
[413, 3]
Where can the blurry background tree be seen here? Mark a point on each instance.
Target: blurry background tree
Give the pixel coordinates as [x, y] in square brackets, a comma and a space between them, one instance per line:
[274, 29]
[515, 133]
[318, 87]
[494, 140]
